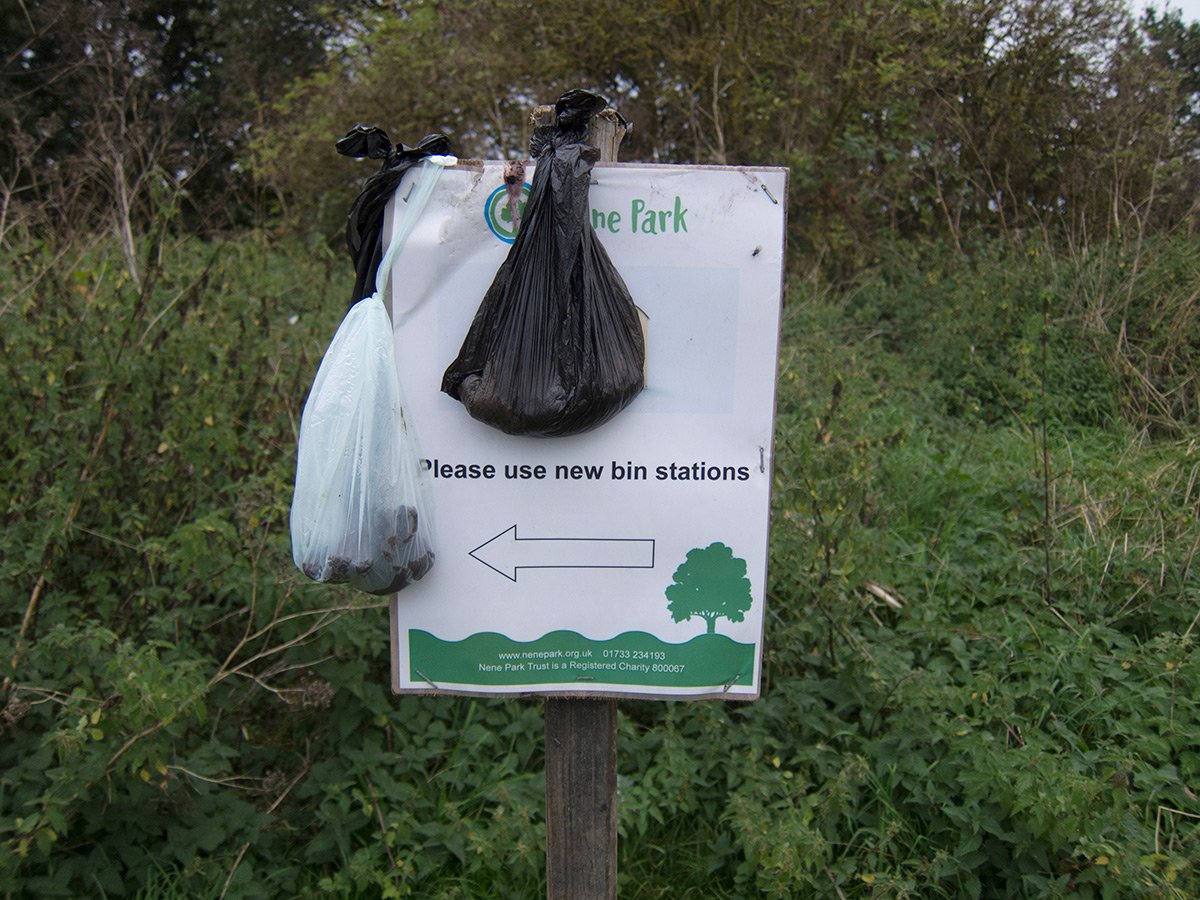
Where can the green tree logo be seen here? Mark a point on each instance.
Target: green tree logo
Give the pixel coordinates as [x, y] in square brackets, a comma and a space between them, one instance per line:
[710, 583]
[499, 217]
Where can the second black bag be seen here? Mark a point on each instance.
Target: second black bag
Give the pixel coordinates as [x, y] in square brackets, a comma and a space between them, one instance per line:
[556, 346]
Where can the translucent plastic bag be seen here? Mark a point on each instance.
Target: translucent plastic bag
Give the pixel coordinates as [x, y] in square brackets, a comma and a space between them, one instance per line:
[360, 510]
[556, 346]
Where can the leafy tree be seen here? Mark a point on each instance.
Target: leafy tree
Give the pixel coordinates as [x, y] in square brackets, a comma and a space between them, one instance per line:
[711, 583]
[1176, 44]
[945, 120]
[109, 108]
[952, 120]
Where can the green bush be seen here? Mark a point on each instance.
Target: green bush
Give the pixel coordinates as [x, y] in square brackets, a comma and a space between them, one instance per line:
[973, 686]
[146, 481]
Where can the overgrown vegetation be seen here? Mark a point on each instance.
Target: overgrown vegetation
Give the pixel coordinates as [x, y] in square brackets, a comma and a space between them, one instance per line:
[982, 675]
[184, 716]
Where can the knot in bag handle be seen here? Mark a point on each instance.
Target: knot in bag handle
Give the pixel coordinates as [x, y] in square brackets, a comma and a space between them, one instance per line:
[372, 142]
[429, 170]
[364, 224]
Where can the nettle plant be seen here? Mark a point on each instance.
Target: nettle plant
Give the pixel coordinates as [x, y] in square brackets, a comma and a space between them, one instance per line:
[980, 675]
[146, 481]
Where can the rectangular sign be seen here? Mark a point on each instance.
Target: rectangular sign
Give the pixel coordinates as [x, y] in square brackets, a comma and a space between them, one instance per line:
[629, 560]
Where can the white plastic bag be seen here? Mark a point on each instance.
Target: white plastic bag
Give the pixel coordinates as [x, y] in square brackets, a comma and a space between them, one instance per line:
[360, 510]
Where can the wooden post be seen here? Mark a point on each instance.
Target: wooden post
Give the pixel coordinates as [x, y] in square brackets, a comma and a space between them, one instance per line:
[581, 799]
[605, 132]
[581, 735]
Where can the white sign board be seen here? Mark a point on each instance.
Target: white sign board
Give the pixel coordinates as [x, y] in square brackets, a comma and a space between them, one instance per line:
[629, 560]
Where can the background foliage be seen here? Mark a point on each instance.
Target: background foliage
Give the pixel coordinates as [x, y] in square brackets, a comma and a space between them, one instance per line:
[929, 119]
[982, 670]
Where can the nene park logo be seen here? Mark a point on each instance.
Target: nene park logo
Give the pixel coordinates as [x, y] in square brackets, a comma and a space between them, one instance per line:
[498, 212]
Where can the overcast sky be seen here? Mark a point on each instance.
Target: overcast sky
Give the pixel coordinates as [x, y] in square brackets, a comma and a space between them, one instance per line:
[1189, 8]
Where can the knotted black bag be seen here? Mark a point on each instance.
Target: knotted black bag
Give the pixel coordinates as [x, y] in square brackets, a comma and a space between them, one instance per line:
[364, 223]
[556, 346]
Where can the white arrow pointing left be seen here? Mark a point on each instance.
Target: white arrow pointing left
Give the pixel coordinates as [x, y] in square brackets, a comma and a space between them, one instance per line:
[506, 553]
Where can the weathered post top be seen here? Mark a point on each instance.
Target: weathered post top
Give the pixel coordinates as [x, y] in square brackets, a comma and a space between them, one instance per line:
[605, 132]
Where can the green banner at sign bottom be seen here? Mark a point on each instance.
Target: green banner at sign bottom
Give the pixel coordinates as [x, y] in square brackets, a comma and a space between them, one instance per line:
[564, 657]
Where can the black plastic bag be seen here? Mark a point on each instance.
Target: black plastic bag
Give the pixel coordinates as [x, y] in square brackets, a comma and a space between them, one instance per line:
[556, 346]
[364, 224]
